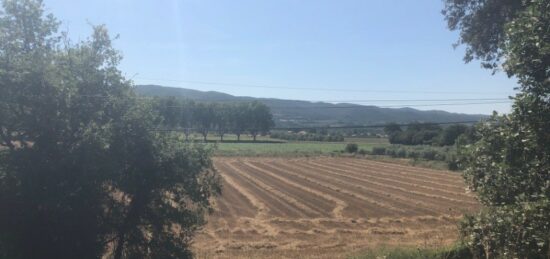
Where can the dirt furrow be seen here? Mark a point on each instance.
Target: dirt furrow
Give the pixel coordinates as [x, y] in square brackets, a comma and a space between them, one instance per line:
[438, 174]
[454, 196]
[271, 206]
[355, 206]
[261, 208]
[339, 204]
[398, 195]
[443, 177]
[299, 207]
[233, 203]
[433, 198]
[379, 199]
[416, 177]
[408, 204]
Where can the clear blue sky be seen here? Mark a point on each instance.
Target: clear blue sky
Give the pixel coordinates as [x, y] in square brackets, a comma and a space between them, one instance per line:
[391, 49]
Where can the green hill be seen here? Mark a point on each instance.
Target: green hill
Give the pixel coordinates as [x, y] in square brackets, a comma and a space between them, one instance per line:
[292, 113]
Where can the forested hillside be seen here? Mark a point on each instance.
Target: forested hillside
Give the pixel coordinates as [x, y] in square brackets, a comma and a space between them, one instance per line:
[290, 113]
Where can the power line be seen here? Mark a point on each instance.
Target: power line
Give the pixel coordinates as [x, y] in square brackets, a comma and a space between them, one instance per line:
[375, 126]
[311, 101]
[328, 127]
[358, 106]
[335, 106]
[308, 88]
[406, 100]
[391, 106]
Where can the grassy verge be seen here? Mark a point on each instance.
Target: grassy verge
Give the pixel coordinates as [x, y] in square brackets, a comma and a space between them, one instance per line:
[430, 164]
[288, 149]
[454, 252]
[269, 147]
[265, 146]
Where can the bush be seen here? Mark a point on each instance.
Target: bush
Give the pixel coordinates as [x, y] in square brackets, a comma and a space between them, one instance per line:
[424, 152]
[379, 151]
[457, 251]
[428, 154]
[351, 148]
[391, 152]
[362, 151]
[401, 153]
[413, 154]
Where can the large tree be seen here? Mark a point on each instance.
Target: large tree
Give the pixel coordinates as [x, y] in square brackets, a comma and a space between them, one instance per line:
[240, 119]
[82, 174]
[509, 167]
[260, 119]
[223, 122]
[205, 118]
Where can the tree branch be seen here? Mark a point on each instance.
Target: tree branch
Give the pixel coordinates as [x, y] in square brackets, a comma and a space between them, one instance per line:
[6, 139]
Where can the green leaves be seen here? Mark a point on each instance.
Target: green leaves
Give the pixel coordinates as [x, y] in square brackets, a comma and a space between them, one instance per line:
[82, 173]
[509, 166]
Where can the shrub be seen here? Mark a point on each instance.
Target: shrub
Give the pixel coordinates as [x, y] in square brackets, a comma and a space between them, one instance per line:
[429, 154]
[457, 251]
[401, 153]
[379, 151]
[413, 154]
[390, 152]
[352, 148]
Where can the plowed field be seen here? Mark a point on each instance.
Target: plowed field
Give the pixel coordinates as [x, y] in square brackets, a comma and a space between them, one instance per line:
[329, 207]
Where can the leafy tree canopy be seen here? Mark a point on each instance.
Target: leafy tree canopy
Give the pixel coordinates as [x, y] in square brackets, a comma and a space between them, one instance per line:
[509, 166]
[81, 173]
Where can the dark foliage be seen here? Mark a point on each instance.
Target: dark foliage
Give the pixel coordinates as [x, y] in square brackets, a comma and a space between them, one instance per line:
[190, 116]
[429, 134]
[351, 148]
[308, 136]
[508, 166]
[81, 173]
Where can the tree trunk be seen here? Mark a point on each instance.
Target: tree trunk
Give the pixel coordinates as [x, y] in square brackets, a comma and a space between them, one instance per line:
[119, 246]
[136, 205]
[7, 140]
[186, 135]
[221, 137]
[238, 137]
[254, 137]
[204, 135]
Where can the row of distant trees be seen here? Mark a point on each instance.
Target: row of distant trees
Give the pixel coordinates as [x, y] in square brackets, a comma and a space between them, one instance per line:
[308, 136]
[429, 134]
[238, 118]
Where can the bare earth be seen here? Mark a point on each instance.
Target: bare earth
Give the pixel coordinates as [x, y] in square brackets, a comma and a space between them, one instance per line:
[329, 208]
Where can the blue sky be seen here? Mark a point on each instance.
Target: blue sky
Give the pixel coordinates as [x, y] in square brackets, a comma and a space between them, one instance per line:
[390, 50]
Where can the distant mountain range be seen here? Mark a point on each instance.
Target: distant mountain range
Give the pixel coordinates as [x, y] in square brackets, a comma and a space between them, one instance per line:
[292, 113]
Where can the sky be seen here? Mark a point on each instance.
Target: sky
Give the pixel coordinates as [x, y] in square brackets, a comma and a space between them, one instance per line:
[383, 52]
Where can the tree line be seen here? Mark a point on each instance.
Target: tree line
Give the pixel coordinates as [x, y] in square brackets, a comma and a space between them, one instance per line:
[238, 118]
[308, 136]
[429, 134]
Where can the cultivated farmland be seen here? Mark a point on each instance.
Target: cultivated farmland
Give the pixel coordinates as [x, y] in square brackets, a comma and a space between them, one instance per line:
[329, 207]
